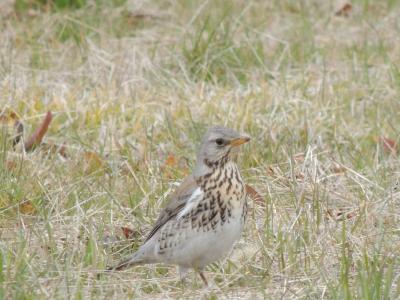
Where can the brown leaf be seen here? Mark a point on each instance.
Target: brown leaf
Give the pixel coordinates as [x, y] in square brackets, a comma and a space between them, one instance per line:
[344, 11]
[8, 118]
[341, 214]
[36, 138]
[26, 207]
[54, 148]
[171, 160]
[130, 233]
[92, 162]
[270, 171]
[139, 15]
[11, 165]
[389, 145]
[174, 163]
[257, 198]
[337, 168]
[299, 157]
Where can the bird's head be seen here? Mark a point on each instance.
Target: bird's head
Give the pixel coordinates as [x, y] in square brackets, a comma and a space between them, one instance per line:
[219, 143]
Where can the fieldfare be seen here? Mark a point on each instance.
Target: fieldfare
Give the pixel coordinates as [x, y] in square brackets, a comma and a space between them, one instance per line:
[205, 215]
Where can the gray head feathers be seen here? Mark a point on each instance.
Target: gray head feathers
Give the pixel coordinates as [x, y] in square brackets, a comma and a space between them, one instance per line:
[217, 143]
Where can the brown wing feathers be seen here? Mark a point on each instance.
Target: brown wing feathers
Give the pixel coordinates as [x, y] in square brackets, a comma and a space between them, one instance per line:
[176, 204]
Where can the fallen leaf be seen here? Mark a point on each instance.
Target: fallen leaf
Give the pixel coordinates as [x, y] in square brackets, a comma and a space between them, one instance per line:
[299, 157]
[270, 171]
[139, 15]
[8, 118]
[344, 11]
[26, 207]
[174, 163]
[389, 145]
[54, 148]
[337, 168]
[341, 214]
[36, 138]
[130, 233]
[171, 160]
[351, 215]
[92, 162]
[257, 198]
[11, 165]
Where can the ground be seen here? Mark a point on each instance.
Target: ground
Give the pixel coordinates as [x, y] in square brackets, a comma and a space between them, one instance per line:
[133, 85]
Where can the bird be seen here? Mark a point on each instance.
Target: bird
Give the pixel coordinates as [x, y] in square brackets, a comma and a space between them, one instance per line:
[205, 216]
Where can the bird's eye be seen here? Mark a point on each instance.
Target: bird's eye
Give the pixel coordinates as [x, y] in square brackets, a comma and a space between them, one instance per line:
[219, 142]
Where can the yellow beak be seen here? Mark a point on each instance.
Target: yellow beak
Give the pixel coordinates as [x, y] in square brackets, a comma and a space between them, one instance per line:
[239, 141]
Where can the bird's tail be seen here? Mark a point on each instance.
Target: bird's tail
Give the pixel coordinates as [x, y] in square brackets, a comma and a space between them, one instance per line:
[133, 260]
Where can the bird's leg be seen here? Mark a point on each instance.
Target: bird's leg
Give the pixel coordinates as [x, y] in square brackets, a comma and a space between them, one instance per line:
[182, 274]
[202, 276]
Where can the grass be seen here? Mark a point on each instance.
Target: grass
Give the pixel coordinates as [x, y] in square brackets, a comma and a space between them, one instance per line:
[132, 89]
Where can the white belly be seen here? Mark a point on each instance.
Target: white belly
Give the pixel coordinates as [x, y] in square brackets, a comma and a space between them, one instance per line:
[197, 248]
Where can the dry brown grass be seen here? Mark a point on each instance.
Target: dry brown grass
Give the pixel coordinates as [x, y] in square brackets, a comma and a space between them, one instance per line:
[129, 85]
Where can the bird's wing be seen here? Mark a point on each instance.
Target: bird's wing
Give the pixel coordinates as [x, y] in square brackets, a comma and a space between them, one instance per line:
[191, 203]
[182, 200]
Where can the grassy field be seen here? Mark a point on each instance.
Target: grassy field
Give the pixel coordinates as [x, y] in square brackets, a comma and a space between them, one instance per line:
[133, 85]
